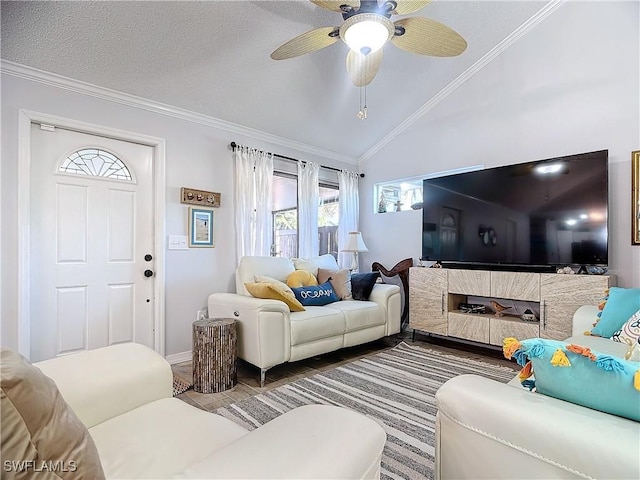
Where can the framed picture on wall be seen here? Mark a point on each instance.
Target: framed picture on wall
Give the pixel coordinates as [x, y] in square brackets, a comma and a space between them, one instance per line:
[201, 227]
[635, 197]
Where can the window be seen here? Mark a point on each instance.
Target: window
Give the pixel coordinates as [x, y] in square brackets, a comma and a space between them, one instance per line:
[406, 194]
[285, 212]
[398, 196]
[94, 162]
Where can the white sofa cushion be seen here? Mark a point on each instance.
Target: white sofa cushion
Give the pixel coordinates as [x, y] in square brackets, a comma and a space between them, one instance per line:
[278, 268]
[360, 314]
[310, 442]
[161, 439]
[316, 323]
[311, 265]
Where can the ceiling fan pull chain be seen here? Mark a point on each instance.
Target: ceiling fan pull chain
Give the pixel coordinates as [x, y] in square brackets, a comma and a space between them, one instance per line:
[362, 113]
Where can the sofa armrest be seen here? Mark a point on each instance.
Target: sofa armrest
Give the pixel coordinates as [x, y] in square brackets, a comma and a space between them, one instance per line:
[313, 441]
[509, 432]
[106, 382]
[388, 296]
[583, 319]
[264, 329]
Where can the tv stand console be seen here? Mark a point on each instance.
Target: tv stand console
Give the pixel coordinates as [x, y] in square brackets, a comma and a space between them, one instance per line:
[435, 295]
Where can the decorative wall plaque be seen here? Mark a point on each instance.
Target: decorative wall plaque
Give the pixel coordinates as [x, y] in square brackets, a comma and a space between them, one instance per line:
[199, 197]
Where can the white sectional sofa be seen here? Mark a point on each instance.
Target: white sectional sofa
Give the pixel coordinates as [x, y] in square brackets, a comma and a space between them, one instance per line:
[489, 430]
[123, 395]
[269, 334]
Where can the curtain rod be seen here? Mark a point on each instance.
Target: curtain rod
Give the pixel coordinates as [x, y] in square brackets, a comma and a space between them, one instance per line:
[233, 146]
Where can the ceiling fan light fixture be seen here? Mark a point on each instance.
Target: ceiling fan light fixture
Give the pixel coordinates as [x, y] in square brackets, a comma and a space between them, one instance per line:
[366, 32]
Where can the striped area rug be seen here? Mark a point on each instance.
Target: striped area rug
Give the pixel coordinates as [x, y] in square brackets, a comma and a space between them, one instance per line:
[396, 388]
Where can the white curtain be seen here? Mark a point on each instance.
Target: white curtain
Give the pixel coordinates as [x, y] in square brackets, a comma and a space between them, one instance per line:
[349, 213]
[253, 181]
[308, 203]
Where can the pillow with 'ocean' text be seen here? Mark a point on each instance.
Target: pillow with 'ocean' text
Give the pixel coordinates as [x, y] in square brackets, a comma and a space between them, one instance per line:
[316, 295]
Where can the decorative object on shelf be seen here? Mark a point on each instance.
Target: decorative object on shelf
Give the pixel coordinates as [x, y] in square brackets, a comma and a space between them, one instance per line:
[529, 316]
[355, 244]
[635, 197]
[498, 308]
[436, 265]
[566, 269]
[472, 308]
[200, 227]
[596, 270]
[398, 206]
[199, 197]
[382, 204]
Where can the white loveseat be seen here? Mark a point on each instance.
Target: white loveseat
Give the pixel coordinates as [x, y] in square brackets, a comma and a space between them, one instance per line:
[123, 395]
[269, 334]
[489, 430]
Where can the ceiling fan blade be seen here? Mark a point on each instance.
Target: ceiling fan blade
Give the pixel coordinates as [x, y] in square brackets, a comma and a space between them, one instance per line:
[307, 42]
[405, 7]
[428, 37]
[334, 5]
[363, 68]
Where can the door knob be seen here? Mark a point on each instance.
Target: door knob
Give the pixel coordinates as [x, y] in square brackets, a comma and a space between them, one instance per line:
[148, 273]
[148, 257]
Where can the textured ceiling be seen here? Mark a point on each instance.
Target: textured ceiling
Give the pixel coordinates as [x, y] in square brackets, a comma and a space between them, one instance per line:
[213, 58]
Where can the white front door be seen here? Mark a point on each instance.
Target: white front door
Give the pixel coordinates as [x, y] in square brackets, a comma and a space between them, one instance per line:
[91, 242]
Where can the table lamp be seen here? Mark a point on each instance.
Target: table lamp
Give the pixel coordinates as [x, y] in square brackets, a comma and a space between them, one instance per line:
[355, 244]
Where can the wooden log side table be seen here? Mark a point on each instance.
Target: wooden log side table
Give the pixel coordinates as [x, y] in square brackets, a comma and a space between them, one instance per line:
[214, 355]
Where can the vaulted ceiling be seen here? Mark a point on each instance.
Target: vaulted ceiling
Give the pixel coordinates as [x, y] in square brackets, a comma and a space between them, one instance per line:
[212, 58]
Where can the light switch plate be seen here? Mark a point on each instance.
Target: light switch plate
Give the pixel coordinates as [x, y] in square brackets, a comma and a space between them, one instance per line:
[177, 242]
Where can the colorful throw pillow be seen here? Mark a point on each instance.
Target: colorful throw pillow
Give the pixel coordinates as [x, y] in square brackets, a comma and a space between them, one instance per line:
[616, 309]
[629, 334]
[39, 427]
[316, 295]
[340, 281]
[301, 278]
[362, 285]
[274, 292]
[578, 375]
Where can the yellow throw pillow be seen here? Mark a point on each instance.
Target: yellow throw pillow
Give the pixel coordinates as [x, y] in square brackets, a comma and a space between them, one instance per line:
[274, 292]
[301, 278]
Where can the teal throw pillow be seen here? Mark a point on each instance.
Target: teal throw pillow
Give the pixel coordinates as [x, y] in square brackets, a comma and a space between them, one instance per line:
[316, 295]
[620, 305]
[578, 375]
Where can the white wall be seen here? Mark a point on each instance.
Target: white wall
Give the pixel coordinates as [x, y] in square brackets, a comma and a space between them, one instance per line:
[197, 156]
[570, 85]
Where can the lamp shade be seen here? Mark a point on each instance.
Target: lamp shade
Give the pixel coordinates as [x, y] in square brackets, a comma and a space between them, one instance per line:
[355, 243]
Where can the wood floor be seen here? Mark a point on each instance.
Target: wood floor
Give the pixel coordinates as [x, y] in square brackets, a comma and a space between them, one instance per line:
[249, 376]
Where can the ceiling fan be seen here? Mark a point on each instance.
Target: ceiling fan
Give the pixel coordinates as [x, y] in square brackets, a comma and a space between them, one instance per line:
[367, 26]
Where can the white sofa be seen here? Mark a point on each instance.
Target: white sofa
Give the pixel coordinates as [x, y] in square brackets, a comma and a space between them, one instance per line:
[123, 394]
[486, 429]
[269, 334]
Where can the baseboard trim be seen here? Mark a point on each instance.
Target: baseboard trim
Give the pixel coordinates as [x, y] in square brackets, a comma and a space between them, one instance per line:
[179, 357]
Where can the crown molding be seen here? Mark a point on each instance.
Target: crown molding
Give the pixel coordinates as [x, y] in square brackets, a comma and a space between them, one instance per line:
[102, 93]
[521, 31]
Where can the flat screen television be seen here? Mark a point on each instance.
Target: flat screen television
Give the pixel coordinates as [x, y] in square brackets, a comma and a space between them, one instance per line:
[528, 216]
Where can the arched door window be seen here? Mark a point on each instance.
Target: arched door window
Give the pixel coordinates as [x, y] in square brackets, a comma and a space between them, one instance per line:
[94, 162]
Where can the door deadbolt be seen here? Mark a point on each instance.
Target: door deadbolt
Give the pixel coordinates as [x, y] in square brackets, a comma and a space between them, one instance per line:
[148, 257]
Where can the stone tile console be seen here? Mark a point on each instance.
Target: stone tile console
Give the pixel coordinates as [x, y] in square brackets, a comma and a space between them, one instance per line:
[435, 295]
